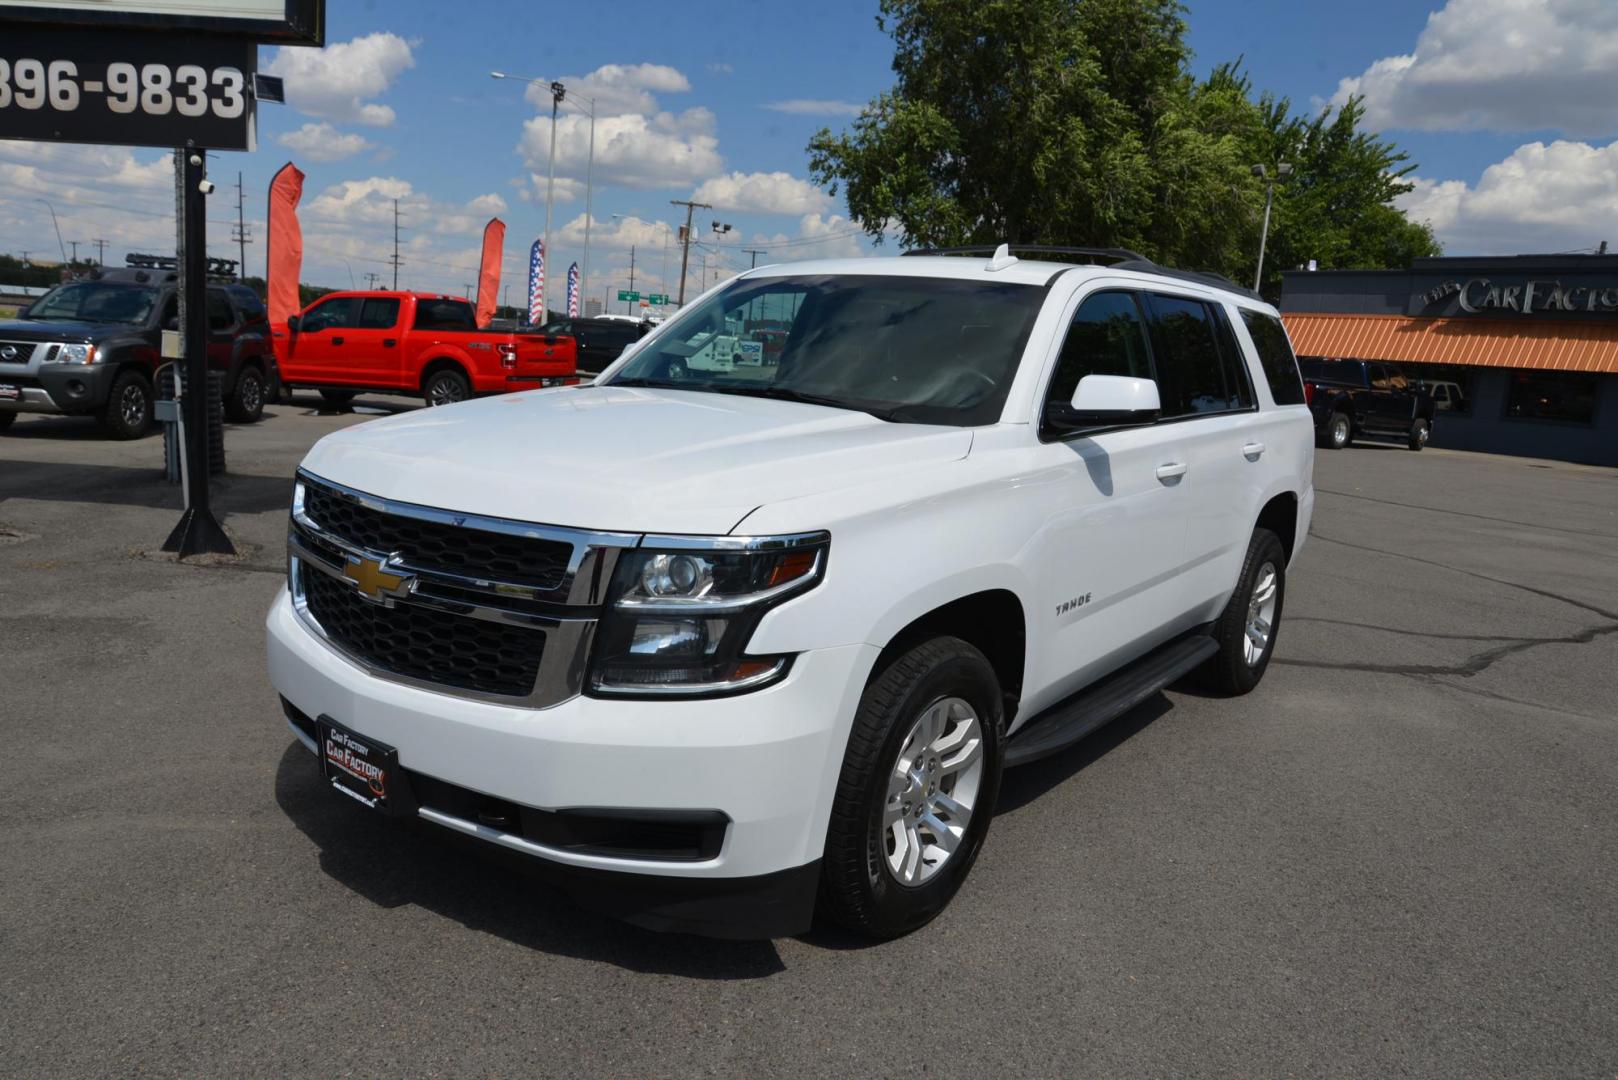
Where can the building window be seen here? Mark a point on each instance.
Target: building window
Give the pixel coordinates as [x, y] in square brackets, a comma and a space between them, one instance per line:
[1551, 395]
[1449, 385]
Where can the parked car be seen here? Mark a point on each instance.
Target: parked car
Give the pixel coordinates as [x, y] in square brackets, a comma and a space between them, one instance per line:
[1350, 398]
[709, 647]
[1447, 396]
[92, 348]
[412, 343]
[600, 340]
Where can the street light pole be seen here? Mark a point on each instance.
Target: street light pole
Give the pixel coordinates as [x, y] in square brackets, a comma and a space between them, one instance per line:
[558, 91]
[58, 228]
[1282, 171]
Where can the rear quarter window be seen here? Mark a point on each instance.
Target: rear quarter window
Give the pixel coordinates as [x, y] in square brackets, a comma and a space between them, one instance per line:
[1275, 357]
[444, 315]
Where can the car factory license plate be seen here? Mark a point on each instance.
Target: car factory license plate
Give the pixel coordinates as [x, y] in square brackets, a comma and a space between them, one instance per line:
[9, 392]
[361, 768]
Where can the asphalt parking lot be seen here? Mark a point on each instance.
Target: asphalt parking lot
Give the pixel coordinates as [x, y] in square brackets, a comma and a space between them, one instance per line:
[1397, 857]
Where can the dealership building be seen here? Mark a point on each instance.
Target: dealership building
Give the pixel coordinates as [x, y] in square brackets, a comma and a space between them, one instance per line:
[1520, 353]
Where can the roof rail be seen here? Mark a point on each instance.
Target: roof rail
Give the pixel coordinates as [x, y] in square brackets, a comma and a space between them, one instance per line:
[1196, 277]
[1092, 254]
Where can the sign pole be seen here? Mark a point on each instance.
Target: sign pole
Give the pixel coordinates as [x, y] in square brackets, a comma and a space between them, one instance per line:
[198, 531]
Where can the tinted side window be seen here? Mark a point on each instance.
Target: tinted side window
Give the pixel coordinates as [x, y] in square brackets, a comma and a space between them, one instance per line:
[1106, 337]
[220, 317]
[1275, 357]
[328, 315]
[1190, 373]
[444, 315]
[1237, 377]
[1396, 379]
[247, 302]
[378, 313]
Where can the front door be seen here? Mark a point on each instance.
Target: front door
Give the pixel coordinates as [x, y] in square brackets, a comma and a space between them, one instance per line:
[373, 344]
[318, 352]
[1115, 505]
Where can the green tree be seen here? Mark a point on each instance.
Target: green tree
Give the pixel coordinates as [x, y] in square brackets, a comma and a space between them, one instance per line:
[1078, 122]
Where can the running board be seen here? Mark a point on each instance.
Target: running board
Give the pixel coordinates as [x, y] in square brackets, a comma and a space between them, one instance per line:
[1066, 722]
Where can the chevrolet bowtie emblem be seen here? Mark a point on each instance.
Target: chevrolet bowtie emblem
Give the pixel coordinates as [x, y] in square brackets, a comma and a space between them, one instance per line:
[373, 582]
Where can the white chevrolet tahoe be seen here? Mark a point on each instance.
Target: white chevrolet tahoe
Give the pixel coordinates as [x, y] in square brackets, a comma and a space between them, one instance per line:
[720, 649]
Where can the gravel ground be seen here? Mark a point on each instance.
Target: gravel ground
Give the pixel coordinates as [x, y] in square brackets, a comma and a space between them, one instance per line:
[1395, 858]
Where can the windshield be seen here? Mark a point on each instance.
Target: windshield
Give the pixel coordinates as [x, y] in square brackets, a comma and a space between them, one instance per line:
[96, 301]
[906, 349]
[1332, 371]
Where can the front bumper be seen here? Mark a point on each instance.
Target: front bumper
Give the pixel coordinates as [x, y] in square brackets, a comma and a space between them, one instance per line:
[60, 388]
[768, 761]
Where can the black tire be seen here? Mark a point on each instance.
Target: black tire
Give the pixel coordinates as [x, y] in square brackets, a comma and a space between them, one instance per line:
[128, 411]
[446, 386]
[1419, 433]
[1338, 432]
[1230, 671]
[7, 419]
[275, 393]
[338, 399]
[859, 889]
[246, 402]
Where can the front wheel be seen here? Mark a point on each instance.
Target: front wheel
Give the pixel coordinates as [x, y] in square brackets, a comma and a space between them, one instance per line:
[128, 412]
[246, 402]
[446, 387]
[917, 789]
[1247, 629]
[337, 399]
[1420, 431]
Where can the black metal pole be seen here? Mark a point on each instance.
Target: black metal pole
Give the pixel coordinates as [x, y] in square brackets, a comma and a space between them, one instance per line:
[198, 532]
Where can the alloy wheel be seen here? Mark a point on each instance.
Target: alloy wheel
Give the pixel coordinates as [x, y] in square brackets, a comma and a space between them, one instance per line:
[932, 790]
[445, 392]
[1260, 614]
[132, 406]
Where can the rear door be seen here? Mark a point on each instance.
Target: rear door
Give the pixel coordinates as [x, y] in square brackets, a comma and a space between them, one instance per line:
[222, 323]
[319, 351]
[1209, 404]
[372, 344]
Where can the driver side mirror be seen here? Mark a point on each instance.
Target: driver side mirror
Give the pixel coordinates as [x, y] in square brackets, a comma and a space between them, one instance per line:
[22, 312]
[1112, 401]
[294, 323]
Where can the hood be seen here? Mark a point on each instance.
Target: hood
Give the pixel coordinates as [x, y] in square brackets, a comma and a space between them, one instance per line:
[60, 330]
[621, 459]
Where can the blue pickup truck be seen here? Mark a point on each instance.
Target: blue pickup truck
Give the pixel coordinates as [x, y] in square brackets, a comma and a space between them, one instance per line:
[1351, 398]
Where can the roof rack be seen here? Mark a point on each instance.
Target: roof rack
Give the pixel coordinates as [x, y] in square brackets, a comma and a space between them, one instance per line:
[1116, 259]
[1093, 254]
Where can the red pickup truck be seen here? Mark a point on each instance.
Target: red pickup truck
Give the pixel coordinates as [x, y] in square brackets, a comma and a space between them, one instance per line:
[412, 343]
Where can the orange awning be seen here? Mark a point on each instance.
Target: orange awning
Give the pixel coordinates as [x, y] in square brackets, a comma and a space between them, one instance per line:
[1546, 345]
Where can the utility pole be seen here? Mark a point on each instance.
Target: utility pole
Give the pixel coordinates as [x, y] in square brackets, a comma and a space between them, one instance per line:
[467, 288]
[755, 252]
[241, 237]
[372, 279]
[558, 92]
[395, 262]
[629, 305]
[685, 254]
[74, 244]
[101, 251]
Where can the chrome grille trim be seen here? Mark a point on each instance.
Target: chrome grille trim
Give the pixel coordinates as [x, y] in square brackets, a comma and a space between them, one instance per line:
[567, 614]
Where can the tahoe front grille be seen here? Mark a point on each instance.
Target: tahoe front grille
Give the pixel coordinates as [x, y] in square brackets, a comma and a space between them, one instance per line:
[424, 643]
[454, 549]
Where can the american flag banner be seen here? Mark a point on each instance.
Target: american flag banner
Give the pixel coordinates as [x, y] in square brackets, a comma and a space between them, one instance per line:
[536, 283]
[573, 291]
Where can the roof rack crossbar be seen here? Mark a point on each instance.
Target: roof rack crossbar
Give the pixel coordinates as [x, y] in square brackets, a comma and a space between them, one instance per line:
[1091, 253]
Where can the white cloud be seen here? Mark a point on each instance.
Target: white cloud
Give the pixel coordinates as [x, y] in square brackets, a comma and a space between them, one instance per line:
[616, 88]
[815, 107]
[1542, 198]
[1500, 65]
[719, 67]
[334, 82]
[763, 193]
[633, 149]
[321, 142]
[819, 236]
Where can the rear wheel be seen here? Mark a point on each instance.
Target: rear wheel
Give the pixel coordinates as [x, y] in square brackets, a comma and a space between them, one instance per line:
[1420, 431]
[1339, 432]
[1247, 629]
[128, 411]
[338, 399]
[917, 789]
[445, 387]
[246, 402]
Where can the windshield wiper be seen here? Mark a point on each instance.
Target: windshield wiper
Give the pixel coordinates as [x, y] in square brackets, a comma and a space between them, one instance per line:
[655, 384]
[783, 393]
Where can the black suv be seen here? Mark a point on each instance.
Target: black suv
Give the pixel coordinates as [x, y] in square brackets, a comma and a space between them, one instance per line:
[93, 347]
[600, 341]
[1364, 397]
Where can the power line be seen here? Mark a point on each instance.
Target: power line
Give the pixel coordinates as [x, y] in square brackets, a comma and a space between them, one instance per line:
[395, 262]
[755, 253]
[239, 232]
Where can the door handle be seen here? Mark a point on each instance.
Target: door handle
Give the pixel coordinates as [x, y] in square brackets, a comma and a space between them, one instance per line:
[1171, 470]
[336, 341]
[1253, 451]
[388, 343]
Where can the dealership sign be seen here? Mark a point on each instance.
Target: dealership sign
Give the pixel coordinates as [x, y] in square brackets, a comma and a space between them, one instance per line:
[1522, 296]
[294, 22]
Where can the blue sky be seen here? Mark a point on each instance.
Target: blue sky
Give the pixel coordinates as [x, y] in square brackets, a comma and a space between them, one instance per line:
[1504, 104]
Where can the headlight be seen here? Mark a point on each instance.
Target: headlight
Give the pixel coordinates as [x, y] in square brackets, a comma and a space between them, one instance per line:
[680, 613]
[76, 354]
